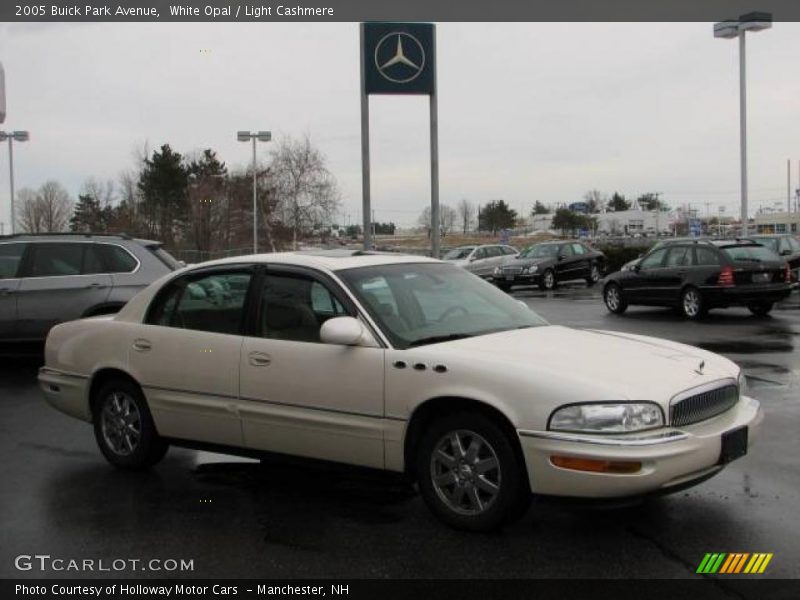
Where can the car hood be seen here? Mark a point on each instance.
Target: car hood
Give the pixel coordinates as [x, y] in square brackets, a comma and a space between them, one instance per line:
[595, 364]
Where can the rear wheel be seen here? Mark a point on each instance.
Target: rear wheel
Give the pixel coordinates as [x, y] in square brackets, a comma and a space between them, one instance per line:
[760, 309]
[692, 304]
[594, 275]
[615, 301]
[469, 474]
[548, 280]
[124, 428]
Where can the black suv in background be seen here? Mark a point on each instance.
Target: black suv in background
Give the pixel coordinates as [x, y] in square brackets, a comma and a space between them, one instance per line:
[46, 279]
[698, 276]
[785, 245]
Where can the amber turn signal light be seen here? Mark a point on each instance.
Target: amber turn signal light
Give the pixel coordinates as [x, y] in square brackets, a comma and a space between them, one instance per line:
[596, 466]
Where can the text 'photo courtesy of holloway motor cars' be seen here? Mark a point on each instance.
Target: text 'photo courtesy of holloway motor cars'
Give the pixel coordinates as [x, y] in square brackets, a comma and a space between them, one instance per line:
[399, 363]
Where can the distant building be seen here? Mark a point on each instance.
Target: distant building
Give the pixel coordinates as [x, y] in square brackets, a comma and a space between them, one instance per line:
[630, 222]
[777, 222]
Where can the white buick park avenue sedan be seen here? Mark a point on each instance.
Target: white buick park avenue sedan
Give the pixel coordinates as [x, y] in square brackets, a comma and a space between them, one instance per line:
[398, 363]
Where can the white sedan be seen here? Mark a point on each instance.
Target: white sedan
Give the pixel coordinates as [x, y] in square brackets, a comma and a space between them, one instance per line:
[398, 363]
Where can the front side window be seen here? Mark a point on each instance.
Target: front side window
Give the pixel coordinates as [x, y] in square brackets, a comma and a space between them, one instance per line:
[653, 260]
[418, 304]
[578, 249]
[293, 307]
[212, 302]
[10, 257]
[459, 253]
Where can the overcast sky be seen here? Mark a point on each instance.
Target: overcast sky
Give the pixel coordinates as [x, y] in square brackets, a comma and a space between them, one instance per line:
[527, 111]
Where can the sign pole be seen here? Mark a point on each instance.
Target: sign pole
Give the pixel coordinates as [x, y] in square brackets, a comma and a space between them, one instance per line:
[434, 118]
[366, 206]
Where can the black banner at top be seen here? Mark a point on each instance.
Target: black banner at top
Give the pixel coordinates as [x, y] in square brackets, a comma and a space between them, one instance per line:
[390, 10]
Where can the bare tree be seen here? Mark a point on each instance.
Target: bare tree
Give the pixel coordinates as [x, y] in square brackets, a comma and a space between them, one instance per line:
[56, 206]
[466, 212]
[595, 200]
[101, 191]
[29, 215]
[306, 192]
[447, 219]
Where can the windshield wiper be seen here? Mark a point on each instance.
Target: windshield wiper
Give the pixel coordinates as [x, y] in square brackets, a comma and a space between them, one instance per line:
[435, 339]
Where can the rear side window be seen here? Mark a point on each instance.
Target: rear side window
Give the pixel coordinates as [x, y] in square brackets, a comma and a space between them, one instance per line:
[749, 254]
[578, 249]
[53, 259]
[10, 257]
[214, 303]
[705, 257]
[114, 259]
[677, 256]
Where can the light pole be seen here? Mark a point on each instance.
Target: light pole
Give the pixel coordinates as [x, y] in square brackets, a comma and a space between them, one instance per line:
[755, 21]
[261, 136]
[13, 136]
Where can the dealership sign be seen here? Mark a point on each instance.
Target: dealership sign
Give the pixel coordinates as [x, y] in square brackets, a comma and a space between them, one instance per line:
[398, 58]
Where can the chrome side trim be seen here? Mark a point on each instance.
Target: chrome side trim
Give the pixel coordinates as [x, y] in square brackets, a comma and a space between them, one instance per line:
[51, 371]
[644, 440]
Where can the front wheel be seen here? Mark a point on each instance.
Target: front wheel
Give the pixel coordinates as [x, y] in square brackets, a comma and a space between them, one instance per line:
[760, 309]
[594, 275]
[692, 305]
[615, 301]
[469, 474]
[547, 280]
[124, 428]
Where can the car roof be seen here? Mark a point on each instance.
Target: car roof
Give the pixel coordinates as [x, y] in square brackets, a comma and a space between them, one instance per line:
[74, 236]
[332, 260]
[733, 243]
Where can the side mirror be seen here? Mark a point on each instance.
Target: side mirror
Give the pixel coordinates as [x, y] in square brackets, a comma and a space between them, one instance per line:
[636, 267]
[182, 263]
[560, 257]
[785, 252]
[342, 331]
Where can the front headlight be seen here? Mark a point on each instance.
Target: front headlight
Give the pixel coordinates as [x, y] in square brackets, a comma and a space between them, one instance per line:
[601, 417]
[742, 384]
[533, 268]
[498, 271]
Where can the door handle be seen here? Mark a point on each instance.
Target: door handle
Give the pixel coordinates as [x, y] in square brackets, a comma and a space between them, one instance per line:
[96, 285]
[259, 359]
[142, 345]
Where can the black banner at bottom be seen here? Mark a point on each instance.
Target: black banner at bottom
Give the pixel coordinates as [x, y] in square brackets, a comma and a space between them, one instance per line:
[705, 588]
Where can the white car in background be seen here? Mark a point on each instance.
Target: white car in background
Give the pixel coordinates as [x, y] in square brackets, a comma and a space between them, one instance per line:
[480, 260]
[398, 363]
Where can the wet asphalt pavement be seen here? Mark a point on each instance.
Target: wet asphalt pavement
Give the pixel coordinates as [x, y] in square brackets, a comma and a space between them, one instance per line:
[239, 518]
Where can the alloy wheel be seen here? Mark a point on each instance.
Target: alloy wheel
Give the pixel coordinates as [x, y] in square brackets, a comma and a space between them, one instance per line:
[612, 297]
[121, 423]
[691, 303]
[465, 472]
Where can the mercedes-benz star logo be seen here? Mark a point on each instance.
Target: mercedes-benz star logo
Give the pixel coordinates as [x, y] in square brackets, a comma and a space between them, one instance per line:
[399, 57]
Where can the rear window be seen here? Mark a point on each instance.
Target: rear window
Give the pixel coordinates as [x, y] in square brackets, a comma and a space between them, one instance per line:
[165, 257]
[749, 253]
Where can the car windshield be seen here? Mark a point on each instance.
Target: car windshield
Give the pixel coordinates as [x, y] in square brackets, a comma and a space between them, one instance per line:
[771, 243]
[417, 304]
[459, 253]
[540, 251]
[752, 253]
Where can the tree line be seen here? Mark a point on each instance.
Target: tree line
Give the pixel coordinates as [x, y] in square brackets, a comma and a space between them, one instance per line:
[194, 201]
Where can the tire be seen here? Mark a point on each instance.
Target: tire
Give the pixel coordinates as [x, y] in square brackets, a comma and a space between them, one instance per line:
[760, 309]
[123, 427]
[692, 305]
[455, 490]
[548, 280]
[594, 275]
[614, 299]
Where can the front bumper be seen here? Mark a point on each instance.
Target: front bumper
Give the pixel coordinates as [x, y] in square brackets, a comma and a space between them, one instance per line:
[517, 279]
[670, 457]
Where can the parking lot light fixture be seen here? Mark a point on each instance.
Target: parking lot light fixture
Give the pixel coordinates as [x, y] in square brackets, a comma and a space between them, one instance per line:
[261, 136]
[754, 21]
[13, 136]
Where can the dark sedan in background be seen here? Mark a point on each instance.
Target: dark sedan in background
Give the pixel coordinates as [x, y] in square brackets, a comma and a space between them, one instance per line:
[549, 263]
[695, 277]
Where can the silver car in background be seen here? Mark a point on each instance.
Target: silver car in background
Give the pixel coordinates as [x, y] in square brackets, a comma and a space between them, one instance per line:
[46, 279]
[480, 260]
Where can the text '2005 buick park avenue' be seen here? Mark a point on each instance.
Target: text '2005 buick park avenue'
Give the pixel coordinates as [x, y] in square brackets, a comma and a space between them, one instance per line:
[399, 363]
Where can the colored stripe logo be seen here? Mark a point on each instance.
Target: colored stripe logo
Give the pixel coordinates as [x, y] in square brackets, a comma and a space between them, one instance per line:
[734, 563]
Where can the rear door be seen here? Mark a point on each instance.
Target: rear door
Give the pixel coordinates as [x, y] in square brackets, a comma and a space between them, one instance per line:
[10, 260]
[61, 280]
[566, 265]
[668, 281]
[582, 260]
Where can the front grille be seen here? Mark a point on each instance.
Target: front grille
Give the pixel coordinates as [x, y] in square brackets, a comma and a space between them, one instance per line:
[512, 270]
[703, 406]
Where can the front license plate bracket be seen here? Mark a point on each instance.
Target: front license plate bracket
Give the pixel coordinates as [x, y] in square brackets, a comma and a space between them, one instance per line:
[734, 445]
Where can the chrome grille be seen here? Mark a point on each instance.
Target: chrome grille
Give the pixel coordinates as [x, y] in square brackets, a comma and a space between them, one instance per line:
[704, 405]
[512, 270]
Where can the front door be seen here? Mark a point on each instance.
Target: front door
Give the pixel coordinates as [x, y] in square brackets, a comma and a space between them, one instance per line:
[303, 397]
[187, 356]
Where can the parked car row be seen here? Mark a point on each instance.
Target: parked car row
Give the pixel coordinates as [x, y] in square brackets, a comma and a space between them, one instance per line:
[692, 275]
